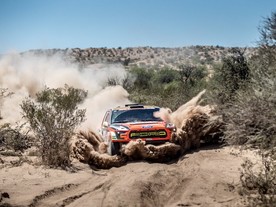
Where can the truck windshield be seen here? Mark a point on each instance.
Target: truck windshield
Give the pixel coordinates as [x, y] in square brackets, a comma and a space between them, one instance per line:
[134, 115]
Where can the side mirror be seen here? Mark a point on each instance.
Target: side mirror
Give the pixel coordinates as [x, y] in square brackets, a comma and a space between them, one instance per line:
[105, 124]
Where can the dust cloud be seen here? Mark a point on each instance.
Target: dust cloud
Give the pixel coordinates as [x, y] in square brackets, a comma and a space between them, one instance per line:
[26, 74]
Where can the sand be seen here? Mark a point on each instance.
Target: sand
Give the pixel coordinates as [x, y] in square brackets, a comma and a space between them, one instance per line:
[205, 177]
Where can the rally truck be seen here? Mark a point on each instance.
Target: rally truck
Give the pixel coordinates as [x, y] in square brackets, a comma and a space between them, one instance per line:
[131, 122]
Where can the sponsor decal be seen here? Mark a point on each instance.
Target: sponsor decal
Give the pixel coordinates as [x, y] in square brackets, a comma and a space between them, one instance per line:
[148, 134]
[147, 127]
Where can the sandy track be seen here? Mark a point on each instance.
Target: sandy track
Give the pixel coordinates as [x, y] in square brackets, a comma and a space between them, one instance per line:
[208, 177]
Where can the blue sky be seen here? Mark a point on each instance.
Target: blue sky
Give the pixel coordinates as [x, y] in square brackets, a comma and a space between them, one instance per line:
[34, 24]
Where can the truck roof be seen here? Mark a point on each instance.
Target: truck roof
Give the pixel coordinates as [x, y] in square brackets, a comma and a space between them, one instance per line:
[135, 106]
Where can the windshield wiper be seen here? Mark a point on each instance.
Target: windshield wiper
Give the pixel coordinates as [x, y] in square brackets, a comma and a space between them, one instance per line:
[149, 120]
[123, 121]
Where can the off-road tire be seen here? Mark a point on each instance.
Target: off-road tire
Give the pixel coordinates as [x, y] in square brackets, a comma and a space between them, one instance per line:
[114, 148]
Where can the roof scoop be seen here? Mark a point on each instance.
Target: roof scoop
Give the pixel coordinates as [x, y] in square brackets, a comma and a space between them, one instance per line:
[134, 106]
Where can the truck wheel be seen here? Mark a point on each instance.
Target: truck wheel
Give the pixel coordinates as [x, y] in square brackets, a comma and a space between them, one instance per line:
[114, 148]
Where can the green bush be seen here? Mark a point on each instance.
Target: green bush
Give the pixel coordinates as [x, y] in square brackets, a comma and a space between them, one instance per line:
[53, 118]
[165, 76]
[143, 78]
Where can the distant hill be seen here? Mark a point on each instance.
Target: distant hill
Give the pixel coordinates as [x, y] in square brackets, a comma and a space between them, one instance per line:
[148, 57]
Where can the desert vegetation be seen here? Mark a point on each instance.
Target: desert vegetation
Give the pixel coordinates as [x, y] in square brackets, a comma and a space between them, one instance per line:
[171, 88]
[240, 83]
[13, 137]
[146, 57]
[249, 113]
[53, 117]
[258, 185]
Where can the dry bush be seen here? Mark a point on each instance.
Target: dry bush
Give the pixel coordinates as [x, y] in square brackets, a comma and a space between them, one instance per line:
[14, 138]
[259, 182]
[251, 120]
[53, 118]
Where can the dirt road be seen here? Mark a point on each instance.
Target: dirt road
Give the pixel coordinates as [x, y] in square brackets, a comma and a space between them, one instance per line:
[208, 177]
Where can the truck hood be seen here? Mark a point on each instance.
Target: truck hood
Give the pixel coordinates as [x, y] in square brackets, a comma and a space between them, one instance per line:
[139, 125]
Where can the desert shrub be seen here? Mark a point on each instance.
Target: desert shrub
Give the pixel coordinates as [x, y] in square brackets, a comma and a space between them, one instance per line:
[165, 76]
[259, 181]
[190, 75]
[229, 77]
[113, 81]
[251, 120]
[14, 137]
[127, 81]
[53, 117]
[193, 78]
[143, 78]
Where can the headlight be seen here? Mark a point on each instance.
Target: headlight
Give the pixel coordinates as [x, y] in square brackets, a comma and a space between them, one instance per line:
[170, 126]
[119, 128]
[113, 135]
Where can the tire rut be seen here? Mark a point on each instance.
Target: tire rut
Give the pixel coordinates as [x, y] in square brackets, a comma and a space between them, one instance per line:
[50, 193]
[71, 199]
[38, 200]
